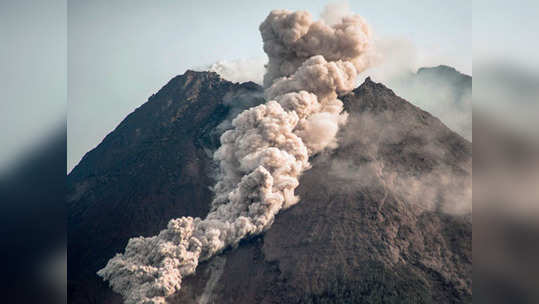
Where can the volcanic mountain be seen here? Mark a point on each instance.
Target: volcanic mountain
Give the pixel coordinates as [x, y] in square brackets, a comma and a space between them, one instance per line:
[383, 218]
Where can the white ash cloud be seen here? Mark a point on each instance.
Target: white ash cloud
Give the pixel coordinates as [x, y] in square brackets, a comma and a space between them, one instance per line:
[240, 70]
[261, 157]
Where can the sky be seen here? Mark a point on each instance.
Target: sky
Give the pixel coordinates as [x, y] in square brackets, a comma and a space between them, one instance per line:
[121, 52]
[33, 83]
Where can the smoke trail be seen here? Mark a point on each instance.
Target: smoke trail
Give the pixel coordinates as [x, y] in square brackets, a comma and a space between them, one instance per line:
[261, 158]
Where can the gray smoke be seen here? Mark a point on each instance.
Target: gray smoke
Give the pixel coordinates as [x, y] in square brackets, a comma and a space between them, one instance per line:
[261, 157]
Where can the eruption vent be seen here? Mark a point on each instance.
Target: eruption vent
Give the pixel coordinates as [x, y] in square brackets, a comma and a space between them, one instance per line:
[261, 158]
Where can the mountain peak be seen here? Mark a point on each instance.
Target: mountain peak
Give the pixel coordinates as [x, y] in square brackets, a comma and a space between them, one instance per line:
[196, 77]
[193, 73]
[371, 87]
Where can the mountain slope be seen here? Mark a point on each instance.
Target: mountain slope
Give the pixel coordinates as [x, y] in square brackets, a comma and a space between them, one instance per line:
[382, 219]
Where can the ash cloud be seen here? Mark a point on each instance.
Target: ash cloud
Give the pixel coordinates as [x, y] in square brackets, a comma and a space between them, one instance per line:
[240, 70]
[290, 39]
[261, 157]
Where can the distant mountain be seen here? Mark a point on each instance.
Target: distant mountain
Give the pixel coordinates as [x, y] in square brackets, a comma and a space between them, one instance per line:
[442, 75]
[383, 218]
[441, 90]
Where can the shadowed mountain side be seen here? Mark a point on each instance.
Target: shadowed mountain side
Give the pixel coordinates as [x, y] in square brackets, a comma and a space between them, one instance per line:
[384, 218]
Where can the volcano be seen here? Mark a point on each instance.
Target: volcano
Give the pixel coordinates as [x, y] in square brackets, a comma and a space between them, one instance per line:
[385, 217]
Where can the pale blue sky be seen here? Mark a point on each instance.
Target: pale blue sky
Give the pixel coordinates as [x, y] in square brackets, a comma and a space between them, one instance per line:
[33, 50]
[120, 52]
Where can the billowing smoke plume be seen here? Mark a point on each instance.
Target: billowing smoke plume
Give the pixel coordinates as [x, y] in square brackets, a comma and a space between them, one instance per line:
[291, 39]
[261, 157]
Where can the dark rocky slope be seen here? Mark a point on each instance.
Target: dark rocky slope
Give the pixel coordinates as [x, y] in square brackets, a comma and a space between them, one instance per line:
[358, 235]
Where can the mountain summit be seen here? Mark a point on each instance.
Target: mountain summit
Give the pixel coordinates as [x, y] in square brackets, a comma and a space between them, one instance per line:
[385, 217]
